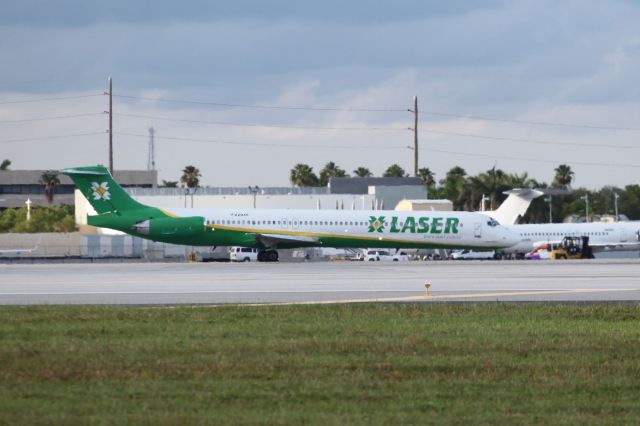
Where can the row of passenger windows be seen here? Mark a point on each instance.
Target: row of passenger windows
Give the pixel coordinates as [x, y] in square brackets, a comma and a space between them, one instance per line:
[561, 234]
[284, 222]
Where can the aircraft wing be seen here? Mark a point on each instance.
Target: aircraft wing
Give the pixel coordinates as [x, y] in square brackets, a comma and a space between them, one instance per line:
[615, 246]
[537, 244]
[284, 241]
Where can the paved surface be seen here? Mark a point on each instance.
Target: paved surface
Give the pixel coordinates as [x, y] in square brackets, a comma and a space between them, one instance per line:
[255, 283]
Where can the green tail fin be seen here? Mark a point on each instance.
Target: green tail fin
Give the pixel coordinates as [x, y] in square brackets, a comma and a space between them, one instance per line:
[102, 192]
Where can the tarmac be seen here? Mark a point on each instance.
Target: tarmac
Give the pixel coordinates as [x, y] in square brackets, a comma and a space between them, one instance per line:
[327, 282]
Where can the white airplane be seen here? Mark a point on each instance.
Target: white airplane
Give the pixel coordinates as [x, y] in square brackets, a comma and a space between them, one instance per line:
[271, 229]
[19, 251]
[603, 236]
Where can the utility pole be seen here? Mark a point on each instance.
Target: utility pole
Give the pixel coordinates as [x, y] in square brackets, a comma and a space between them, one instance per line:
[415, 136]
[254, 190]
[586, 206]
[549, 200]
[111, 126]
[615, 202]
[483, 203]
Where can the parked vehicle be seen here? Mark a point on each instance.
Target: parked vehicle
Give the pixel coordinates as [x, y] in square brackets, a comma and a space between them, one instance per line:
[377, 255]
[243, 254]
[401, 256]
[540, 252]
[573, 248]
[467, 254]
[385, 255]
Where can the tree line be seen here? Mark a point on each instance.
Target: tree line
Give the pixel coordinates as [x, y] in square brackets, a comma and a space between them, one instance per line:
[467, 192]
[43, 219]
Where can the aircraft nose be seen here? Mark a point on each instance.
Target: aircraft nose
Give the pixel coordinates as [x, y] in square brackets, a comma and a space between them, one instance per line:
[510, 237]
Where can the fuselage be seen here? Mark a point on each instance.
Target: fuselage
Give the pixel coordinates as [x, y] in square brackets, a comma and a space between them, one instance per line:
[602, 235]
[347, 228]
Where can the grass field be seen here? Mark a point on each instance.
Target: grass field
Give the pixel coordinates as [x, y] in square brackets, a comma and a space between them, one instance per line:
[362, 364]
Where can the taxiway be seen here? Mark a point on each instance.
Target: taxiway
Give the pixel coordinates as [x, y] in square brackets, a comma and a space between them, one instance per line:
[332, 282]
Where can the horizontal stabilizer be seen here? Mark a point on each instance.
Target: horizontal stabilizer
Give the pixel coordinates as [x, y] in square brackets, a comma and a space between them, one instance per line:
[84, 172]
[515, 206]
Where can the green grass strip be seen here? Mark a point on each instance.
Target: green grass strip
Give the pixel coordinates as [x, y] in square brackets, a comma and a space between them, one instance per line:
[342, 364]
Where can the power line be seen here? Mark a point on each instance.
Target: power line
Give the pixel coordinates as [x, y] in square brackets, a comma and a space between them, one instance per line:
[57, 98]
[274, 126]
[303, 108]
[533, 141]
[436, 113]
[505, 157]
[57, 117]
[51, 137]
[394, 129]
[268, 144]
[215, 141]
[534, 123]
[278, 107]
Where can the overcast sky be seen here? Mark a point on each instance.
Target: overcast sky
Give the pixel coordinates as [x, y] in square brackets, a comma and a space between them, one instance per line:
[549, 61]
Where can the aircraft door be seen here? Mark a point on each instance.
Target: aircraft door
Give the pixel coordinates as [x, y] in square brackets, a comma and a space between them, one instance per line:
[296, 222]
[477, 230]
[624, 237]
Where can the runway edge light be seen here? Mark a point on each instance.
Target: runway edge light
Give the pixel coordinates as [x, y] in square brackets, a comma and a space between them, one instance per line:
[427, 286]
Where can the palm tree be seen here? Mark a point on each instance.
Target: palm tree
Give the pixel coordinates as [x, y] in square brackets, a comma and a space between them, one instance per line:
[427, 177]
[302, 175]
[362, 172]
[493, 183]
[564, 176]
[49, 179]
[395, 170]
[515, 180]
[169, 184]
[330, 170]
[5, 164]
[190, 177]
[477, 187]
[453, 187]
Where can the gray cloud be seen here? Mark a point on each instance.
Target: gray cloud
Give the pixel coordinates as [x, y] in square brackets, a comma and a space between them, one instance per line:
[541, 60]
[64, 13]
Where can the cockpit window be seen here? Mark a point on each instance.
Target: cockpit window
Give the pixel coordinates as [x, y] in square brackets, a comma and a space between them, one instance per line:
[493, 222]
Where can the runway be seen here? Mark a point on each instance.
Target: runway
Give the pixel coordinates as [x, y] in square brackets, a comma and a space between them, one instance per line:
[331, 282]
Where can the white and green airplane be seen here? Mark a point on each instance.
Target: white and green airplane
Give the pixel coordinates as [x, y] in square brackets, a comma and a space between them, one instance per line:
[603, 236]
[272, 229]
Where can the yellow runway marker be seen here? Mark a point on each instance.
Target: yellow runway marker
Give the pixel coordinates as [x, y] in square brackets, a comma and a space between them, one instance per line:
[528, 293]
[452, 296]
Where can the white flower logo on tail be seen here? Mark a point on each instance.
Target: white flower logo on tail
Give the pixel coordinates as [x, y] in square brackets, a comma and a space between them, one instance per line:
[100, 191]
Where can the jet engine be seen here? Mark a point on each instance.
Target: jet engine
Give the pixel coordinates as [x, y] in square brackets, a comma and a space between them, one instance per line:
[174, 226]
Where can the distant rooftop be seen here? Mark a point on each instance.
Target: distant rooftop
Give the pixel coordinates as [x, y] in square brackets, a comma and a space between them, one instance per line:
[18, 185]
[230, 191]
[358, 185]
[124, 177]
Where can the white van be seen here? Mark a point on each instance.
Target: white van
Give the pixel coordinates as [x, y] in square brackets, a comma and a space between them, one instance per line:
[375, 255]
[243, 254]
[467, 254]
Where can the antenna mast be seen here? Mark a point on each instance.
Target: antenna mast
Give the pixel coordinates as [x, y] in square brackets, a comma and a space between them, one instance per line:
[110, 125]
[151, 159]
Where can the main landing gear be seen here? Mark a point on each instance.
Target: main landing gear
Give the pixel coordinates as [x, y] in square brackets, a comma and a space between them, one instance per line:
[267, 256]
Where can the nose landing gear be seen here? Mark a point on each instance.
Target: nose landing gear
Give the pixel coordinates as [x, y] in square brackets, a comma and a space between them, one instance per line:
[268, 256]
